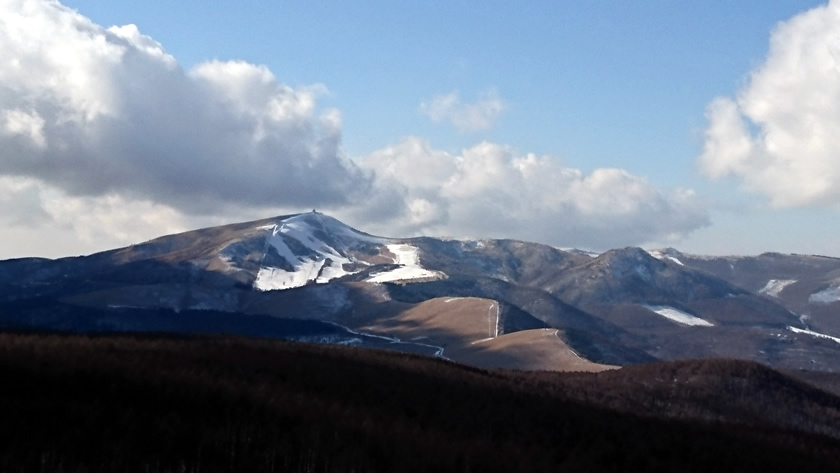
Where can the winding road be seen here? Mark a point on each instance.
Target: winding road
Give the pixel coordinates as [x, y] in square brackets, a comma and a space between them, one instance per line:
[438, 349]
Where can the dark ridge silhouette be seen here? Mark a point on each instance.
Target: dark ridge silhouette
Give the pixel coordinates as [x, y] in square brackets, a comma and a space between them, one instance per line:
[827, 381]
[211, 404]
[712, 390]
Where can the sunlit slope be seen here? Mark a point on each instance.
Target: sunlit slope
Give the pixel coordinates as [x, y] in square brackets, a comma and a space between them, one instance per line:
[536, 349]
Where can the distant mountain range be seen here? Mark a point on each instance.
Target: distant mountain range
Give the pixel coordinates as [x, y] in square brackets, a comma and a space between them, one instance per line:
[488, 303]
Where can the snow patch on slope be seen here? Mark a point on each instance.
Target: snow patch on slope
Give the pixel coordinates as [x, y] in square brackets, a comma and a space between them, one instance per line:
[270, 279]
[678, 316]
[577, 251]
[826, 296]
[408, 258]
[774, 286]
[660, 255]
[813, 334]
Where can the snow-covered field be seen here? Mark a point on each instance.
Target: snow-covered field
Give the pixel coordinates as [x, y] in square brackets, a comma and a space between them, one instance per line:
[678, 316]
[774, 286]
[270, 279]
[408, 258]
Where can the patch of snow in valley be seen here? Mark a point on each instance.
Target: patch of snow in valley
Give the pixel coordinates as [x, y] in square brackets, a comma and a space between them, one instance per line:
[826, 296]
[774, 286]
[813, 334]
[678, 316]
[408, 258]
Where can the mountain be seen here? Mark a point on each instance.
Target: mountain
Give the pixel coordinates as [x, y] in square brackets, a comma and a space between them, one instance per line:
[489, 303]
[807, 285]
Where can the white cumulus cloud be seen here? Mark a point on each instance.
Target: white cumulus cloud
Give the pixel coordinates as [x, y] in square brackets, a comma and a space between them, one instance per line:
[106, 140]
[477, 116]
[95, 111]
[489, 190]
[779, 135]
[39, 220]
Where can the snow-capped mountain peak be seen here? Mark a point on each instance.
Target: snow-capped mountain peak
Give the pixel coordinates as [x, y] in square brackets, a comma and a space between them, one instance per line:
[311, 247]
[316, 248]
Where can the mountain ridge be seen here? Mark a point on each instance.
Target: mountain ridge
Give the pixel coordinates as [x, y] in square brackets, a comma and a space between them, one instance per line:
[624, 306]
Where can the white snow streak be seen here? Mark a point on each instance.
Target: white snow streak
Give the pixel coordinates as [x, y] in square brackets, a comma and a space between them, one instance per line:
[774, 286]
[814, 334]
[678, 316]
[658, 254]
[557, 334]
[494, 326]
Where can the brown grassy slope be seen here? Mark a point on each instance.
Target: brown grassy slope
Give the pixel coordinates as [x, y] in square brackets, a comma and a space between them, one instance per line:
[164, 404]
[457, 320]
[468, 328]
[537, 349]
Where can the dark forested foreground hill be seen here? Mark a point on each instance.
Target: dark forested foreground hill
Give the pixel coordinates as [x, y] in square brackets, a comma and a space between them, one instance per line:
[157, 404]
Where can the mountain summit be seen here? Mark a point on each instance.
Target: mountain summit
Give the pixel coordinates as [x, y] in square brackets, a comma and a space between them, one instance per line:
[502, 303]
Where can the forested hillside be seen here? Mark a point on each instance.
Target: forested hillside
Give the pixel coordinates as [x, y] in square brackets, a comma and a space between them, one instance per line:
[164, 404]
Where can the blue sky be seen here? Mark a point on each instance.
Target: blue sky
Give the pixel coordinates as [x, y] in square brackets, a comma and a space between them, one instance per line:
[572, 72]
[572, 123]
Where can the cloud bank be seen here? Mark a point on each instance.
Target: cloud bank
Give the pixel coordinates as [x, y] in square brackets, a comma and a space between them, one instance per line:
[779, 136]
[488, 190]
[94, 111]
[466, 117]
[105, 140]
